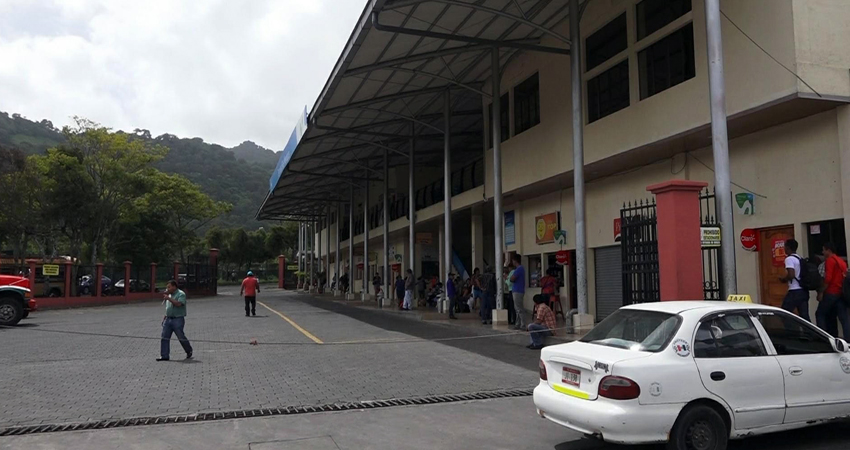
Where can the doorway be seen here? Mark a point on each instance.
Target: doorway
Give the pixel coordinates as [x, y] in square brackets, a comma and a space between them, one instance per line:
[772, 263]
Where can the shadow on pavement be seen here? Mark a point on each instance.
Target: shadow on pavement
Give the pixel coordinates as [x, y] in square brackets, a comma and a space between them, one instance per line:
[834, 436]
[493, 348]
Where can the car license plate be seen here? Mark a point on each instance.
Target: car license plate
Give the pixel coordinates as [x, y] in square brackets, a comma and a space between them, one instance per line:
[571, 376]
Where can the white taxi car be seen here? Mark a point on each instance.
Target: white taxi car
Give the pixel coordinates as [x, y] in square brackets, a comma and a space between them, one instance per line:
[694, 375]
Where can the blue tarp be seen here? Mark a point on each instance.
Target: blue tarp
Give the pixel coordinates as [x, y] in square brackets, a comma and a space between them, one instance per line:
[289, 150]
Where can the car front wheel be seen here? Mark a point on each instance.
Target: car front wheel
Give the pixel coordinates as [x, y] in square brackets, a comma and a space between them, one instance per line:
[11, 311]
[699, 427]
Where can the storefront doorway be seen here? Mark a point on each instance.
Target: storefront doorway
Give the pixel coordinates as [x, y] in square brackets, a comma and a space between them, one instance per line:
[772, 263]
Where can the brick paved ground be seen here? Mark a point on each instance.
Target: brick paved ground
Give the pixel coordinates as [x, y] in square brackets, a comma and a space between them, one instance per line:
[57, 368]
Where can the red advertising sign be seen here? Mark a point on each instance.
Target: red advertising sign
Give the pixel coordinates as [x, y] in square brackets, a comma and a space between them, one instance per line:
[749, 239]
[546, 226]
[562, 257]
[777, 247]
[617, 224]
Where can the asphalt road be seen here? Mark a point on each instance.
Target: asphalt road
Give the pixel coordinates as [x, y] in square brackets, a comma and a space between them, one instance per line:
[98, 364]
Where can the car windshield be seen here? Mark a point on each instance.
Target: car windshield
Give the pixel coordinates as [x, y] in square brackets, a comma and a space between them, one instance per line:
[644, 331]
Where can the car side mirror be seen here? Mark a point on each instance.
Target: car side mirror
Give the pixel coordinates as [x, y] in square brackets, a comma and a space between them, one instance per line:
[840, 346]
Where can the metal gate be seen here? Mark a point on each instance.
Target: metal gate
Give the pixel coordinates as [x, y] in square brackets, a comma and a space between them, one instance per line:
[712, 282]
[639, 246]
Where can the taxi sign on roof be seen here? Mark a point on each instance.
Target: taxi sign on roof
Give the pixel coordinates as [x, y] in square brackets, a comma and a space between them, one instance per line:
[739, 298]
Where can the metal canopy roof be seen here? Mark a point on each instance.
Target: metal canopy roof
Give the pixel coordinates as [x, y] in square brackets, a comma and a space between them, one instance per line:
[390, 81]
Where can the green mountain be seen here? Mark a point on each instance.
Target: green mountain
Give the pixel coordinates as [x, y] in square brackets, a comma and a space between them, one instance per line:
[236, 175]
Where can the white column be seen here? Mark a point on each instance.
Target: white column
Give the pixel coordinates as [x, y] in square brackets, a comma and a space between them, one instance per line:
[844, 152]
[447, 192]
[367, 278]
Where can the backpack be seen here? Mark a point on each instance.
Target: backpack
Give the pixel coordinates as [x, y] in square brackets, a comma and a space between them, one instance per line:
[809, 276]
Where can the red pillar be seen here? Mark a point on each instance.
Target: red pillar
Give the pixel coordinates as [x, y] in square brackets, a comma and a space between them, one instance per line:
[68, 269]
[281, 271]
[31, 275]
[98, 280]
[127, 265]
[153, 277]
[679, 249]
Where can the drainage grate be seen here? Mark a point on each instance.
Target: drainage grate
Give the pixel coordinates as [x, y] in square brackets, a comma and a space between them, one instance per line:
[282, 411]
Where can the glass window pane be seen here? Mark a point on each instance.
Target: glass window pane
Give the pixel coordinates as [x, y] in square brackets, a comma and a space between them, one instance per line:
[792, 336]
[667, 62]
[653, 15]
[606, 43]
[636, 330]
[527, 104]
[608, 92]
[728, 336]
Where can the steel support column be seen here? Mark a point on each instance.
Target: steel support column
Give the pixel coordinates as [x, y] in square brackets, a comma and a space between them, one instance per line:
[411, 201]
[447, 196]
[327, 267]
[300, 253]
[578, 158]
[366, 277]
[496, 132]
[311, 253]
[338, 254]
[319, 254]
[387, 267]
[720, 146]
[351, 243]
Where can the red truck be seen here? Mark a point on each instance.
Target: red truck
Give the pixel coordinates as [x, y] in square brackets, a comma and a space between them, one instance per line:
[15, 299]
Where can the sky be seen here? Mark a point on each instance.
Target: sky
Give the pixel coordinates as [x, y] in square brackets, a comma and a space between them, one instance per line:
[226, 71]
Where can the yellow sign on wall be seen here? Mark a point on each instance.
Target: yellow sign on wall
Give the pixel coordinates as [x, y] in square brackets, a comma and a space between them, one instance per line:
[50, 270]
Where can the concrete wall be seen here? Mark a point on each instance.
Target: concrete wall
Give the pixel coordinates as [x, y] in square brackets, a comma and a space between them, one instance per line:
[753, 79]
[796, 166]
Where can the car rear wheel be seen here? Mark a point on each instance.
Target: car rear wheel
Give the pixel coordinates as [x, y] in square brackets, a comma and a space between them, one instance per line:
[11, 310]
[699, 427]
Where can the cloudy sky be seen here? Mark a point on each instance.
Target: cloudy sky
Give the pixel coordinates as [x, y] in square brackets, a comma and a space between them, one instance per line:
[223, 70]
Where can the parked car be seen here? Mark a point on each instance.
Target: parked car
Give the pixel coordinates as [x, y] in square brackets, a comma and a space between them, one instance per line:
[16, 301]
[694, 375]
[135, 286]
[87, 286]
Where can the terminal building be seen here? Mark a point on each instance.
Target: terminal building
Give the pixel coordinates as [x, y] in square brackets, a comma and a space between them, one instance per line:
[411, 70]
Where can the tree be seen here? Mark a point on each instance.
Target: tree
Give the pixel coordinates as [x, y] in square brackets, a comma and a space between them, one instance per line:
[181, 205]
[115, 169]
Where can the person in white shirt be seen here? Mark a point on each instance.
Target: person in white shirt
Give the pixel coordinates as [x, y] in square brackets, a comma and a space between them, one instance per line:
[797, 298]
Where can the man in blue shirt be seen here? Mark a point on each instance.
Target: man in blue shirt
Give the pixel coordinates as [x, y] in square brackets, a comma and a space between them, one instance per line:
[173, 322]
[518, 291]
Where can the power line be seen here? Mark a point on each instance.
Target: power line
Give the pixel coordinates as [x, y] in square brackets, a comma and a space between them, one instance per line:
[769, 55]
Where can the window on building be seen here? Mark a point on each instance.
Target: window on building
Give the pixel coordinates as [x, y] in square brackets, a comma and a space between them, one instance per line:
[606, 43]
[505, 106]
[820, 233]
[534, 270]
[667, 62]
[527, 104]
[728, 336]
[608, 92]
[792, 336]
[653, 15]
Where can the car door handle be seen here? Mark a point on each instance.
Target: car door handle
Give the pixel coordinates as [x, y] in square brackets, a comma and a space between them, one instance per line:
[796, 371]
[718, 376]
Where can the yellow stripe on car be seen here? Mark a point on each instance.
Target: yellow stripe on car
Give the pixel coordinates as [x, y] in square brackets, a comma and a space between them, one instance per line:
[571, 392]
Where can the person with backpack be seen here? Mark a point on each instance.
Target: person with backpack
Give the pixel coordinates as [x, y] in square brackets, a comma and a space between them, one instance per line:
[797, 297]
[832, 307]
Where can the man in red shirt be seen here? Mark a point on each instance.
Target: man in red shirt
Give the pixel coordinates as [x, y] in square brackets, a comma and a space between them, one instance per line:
[832, 306]
[250, 289]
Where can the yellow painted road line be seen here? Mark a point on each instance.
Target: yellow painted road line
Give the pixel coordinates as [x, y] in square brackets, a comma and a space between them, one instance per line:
[291, 322]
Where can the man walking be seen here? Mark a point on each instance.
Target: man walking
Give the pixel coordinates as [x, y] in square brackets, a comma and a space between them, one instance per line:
[832, 306]
[173, 322]
[250, 289]
[451, 293]
[488, 299]
[797, 297]
[518, 290]
[409, 284]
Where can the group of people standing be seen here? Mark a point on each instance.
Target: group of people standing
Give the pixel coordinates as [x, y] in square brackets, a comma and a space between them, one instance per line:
[828, 278]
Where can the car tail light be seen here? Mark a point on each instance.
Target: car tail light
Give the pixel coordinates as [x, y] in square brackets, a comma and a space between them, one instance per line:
[618, 388]
[543, 375]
